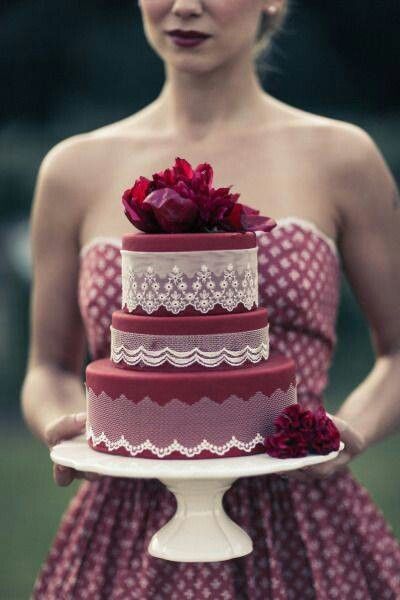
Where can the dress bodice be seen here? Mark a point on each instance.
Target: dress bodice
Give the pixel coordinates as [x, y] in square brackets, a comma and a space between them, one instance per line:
[299, 277]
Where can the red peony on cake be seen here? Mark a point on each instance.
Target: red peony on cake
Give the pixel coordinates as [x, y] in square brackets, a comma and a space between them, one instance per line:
[190, 374]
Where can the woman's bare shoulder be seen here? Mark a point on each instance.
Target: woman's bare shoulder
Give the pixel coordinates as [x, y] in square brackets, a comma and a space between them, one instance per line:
[69, 156]
[325, 130]
[354, 166]
[344, 151]
[77, 165]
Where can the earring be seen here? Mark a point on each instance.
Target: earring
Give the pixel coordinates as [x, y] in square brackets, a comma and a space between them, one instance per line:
[272, 9]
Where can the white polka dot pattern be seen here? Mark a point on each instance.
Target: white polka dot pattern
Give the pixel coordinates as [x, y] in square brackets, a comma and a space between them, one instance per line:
[100, 294]
[324, 540]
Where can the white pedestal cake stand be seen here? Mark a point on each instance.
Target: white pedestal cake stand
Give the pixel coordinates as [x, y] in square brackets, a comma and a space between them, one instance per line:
[200, 530]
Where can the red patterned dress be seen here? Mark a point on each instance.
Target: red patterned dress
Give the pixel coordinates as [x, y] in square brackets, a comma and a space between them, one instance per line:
[321, 540]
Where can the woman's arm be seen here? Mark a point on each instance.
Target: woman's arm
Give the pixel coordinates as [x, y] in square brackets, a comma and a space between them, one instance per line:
[370, 247]
[52, 393]
[369, 242]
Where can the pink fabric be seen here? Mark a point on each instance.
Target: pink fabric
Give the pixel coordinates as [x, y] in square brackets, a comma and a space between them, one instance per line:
[312, 541]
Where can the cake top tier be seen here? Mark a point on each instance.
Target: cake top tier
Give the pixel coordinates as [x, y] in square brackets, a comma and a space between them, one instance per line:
[195, 273]
[188, 242]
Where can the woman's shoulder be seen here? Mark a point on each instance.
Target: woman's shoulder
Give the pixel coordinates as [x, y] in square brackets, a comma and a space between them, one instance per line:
[339, 147]
[78, 163]
[348, 153]
[351, 164]
[88, 147]
[331, 143]
[327, 132]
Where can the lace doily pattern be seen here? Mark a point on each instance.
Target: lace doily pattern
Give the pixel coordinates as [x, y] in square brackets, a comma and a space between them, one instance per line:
[209, 350]
[119, 424]
[202, 280]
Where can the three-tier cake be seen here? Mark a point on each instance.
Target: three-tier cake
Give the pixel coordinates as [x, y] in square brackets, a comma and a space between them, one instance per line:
[190, 374]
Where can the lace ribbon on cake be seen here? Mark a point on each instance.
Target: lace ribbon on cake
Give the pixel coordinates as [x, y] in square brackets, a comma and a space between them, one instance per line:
[200, 279]
[208, 350]
[218, 427]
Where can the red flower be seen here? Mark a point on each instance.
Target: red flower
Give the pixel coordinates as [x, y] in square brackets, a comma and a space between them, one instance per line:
[284, 444]
[245, 218]
[326, 436]
[296, 418]
[314, 431]
[181, 199]
[140, 216]
[173, 213]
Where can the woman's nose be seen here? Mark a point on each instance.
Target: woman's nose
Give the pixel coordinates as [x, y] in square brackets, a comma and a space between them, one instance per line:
[187, 8]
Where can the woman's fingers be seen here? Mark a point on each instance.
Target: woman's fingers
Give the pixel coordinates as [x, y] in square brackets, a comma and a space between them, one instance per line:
[64, 428]
[63, 476]
[319, 471]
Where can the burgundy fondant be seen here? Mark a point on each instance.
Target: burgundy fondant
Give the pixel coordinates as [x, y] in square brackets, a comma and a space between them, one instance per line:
[188, 415]
[187, 242]
[267, 376]
[190, 325]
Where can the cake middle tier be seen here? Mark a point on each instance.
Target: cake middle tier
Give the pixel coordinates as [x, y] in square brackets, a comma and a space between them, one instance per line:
[228, 340]
[183, 414]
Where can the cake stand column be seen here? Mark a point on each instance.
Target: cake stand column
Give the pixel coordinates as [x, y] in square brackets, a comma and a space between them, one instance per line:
[200, 530]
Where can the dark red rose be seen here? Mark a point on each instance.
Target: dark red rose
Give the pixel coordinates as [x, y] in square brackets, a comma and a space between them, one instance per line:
[183, 172]
[140, 216]
[244, 218]
[253, 221]
[289, 419]
[296, 418]
[284, 444]
[182, 200]
[326, 436]
[141, 188]
[173, 213]
[314, 432]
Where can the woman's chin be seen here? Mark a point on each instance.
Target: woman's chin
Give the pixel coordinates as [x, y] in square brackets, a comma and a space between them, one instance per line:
[192, 64]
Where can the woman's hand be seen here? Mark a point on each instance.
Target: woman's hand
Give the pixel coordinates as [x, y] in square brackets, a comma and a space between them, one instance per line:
[354, 444]
[65, 428]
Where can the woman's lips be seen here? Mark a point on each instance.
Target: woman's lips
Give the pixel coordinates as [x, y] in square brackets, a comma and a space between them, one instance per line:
[188, 39]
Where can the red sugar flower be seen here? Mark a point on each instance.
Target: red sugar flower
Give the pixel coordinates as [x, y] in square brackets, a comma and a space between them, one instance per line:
[326, 435]
[182, 199]
[286, 444]
[299, 431]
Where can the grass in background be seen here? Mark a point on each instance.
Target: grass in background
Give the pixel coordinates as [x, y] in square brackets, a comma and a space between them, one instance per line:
[31, 505]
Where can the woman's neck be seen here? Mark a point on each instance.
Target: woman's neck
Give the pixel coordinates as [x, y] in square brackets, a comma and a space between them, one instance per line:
[194, 104]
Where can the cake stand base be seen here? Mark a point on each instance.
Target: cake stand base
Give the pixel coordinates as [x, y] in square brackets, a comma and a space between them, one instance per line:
[200, 530]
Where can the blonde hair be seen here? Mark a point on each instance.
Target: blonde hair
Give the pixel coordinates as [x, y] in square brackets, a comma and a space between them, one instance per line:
[268, 27]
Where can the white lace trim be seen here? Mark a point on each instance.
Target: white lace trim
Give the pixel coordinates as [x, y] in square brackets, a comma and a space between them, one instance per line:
[189, 263]
[122, 442]
[209, 350]
[185, 283]
[134, 425]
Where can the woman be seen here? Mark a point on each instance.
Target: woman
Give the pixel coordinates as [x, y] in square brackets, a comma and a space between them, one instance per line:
[316, 532]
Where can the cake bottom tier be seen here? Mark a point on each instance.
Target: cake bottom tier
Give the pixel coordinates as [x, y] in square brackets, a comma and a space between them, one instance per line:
[186, 415]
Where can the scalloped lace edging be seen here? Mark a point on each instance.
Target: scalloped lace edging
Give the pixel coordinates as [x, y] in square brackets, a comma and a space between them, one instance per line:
[161, 452]
[233, 348]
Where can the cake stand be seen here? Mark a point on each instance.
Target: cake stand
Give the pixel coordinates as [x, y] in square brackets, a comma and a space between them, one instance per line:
[200, 530]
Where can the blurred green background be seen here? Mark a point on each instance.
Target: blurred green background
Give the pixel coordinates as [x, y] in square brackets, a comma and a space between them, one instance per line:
[68, 67]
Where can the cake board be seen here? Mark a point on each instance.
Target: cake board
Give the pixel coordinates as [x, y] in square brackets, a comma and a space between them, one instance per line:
[200, 530]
